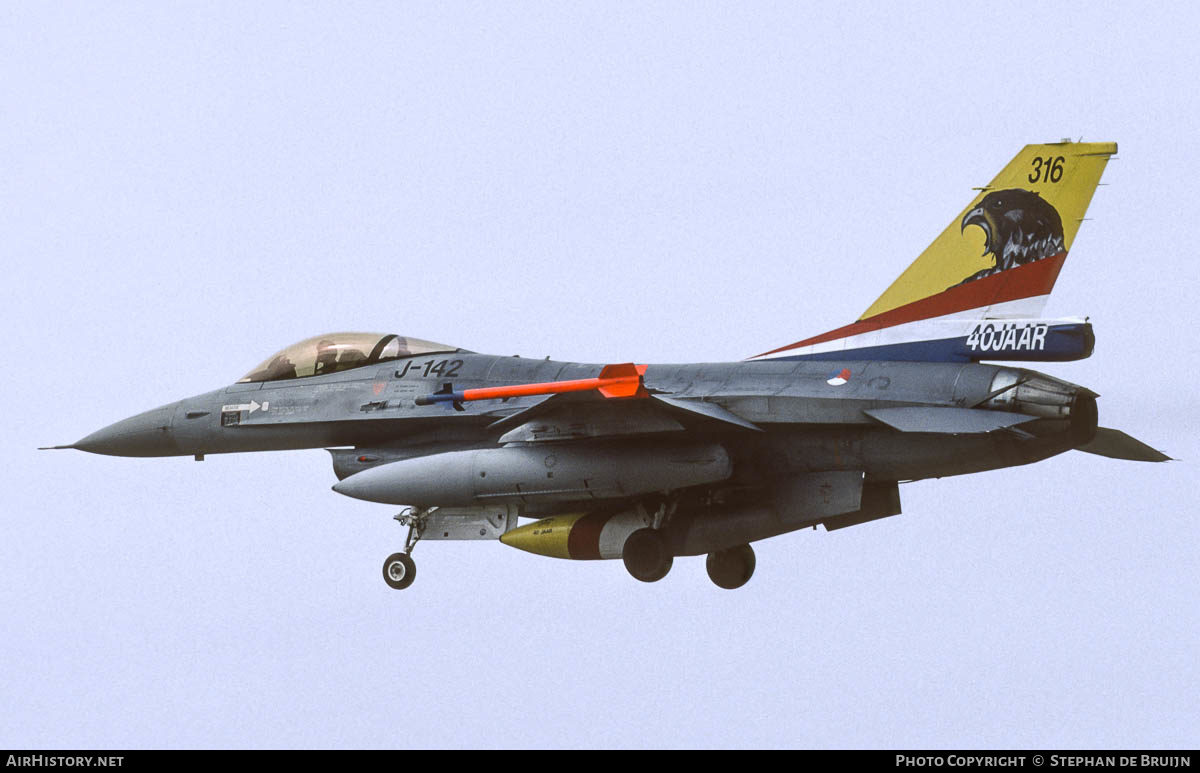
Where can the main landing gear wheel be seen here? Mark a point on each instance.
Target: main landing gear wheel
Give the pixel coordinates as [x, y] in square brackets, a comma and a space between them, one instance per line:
[399, 571]
[646, 555]
[731, 568]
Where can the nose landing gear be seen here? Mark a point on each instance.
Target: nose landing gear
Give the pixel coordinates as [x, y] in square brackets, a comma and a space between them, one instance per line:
[399, 570]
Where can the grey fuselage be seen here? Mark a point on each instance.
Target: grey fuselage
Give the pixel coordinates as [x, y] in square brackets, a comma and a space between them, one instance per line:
[774, 418]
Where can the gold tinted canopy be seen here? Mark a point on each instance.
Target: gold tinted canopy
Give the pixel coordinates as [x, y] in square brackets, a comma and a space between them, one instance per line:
[333, 352]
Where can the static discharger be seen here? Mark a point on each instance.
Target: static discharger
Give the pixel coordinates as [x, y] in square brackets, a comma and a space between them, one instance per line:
[614, 381]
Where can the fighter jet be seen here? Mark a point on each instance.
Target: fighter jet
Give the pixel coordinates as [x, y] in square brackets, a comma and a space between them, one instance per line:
[646, 463]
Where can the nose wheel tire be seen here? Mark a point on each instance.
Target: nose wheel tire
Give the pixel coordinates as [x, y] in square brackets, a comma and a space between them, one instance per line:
[731, 568]
[646, 555]
[399, 571]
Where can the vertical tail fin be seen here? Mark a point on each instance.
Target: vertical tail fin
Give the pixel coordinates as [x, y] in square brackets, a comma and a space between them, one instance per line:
[997, 260]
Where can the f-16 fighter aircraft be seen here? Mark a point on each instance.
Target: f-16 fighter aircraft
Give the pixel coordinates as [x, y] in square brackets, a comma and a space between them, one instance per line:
[649, 462]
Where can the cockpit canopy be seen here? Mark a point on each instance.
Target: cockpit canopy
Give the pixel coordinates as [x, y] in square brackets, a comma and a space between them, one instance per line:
[335, 352]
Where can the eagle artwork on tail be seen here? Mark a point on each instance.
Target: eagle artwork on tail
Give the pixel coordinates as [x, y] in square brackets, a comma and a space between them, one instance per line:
[1020, 226]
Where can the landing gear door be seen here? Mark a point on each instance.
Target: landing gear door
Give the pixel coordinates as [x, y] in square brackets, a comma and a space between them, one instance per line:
[816, 496]
[470, 523]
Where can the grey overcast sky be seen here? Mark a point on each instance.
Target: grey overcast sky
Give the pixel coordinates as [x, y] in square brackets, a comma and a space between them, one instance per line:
[188, 187]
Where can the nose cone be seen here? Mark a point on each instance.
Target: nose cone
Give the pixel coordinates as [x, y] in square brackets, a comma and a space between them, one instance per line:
[359, 486]
[147, 434]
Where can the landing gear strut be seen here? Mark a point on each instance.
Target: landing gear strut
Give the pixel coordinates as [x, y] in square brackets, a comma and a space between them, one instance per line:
[731, 568]
[399, 570]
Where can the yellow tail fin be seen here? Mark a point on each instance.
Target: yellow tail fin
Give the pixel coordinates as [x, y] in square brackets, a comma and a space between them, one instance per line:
[1031, 211]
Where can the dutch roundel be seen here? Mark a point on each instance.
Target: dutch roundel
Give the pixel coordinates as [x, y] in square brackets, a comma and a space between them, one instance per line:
[839, 378]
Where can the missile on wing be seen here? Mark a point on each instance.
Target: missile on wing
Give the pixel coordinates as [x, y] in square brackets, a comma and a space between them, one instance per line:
[525, 474]
[614, 381]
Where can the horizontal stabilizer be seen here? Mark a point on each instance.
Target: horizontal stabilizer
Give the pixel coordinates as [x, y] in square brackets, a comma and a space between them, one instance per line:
[1115, 444]
[946, 420]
